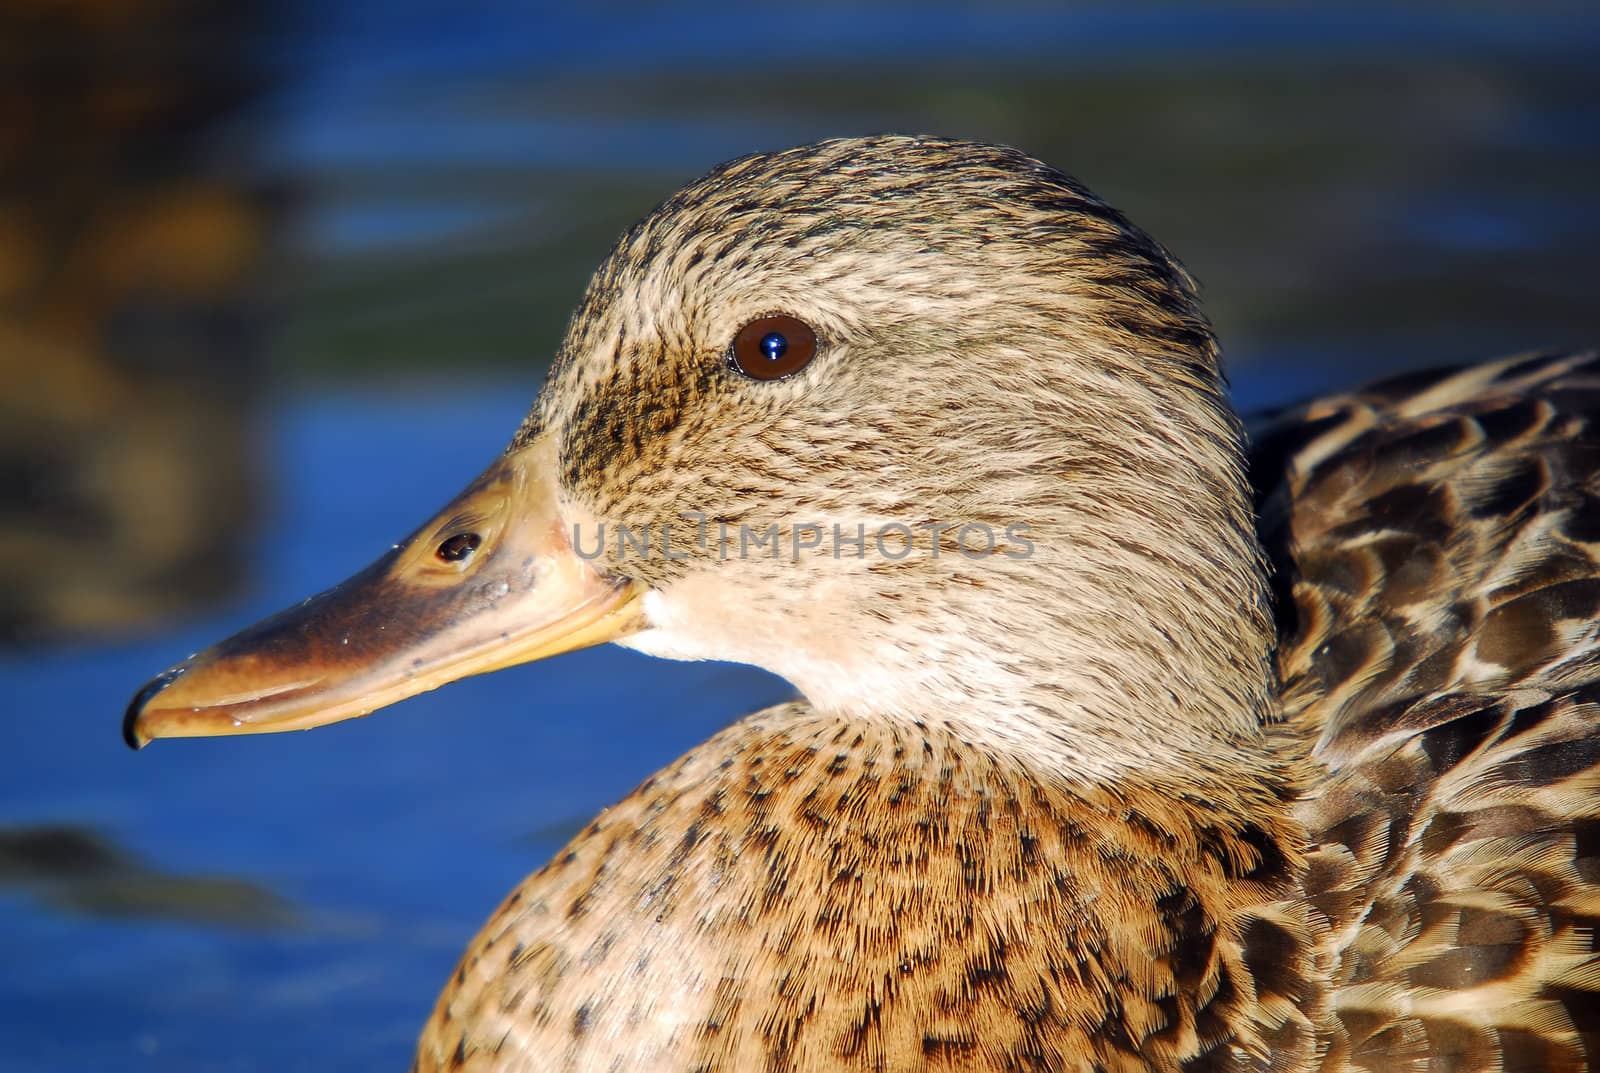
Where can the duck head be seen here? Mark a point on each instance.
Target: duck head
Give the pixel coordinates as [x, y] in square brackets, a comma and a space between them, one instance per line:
[920, 425]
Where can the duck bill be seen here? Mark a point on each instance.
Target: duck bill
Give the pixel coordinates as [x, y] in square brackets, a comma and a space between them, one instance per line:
[489, 582]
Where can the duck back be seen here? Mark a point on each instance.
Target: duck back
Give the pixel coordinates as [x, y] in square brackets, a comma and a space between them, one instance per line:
[1438, 593]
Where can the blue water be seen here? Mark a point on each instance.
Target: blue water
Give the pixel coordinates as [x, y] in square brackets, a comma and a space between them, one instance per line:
[377, 846]
[424, 89]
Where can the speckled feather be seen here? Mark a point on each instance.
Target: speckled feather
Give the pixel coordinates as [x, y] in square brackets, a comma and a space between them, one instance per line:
[1057, 812]
[800, 894]
[1435, 537]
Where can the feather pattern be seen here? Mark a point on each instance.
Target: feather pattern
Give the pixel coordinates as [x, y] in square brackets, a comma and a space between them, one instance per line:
[1434, 538]
[1090, 808]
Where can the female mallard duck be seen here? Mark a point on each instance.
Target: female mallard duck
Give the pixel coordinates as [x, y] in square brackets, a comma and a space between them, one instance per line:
[1061, 795]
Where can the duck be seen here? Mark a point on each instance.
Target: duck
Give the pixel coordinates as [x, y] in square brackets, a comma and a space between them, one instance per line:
[1122, 742]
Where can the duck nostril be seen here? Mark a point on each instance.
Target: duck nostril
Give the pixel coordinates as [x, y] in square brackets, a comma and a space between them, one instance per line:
[459, 547]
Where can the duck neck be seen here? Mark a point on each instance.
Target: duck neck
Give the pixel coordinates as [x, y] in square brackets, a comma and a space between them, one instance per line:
[1107, 664]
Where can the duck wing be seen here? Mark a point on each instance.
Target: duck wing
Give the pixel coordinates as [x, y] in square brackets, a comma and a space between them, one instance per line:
[1436, 541]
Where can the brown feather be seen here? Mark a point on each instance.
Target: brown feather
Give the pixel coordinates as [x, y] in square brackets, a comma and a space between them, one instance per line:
[1059, 814]
[1430, 540]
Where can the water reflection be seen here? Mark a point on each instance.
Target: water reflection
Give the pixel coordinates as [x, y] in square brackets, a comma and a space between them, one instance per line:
[129, 245]
[74, 870]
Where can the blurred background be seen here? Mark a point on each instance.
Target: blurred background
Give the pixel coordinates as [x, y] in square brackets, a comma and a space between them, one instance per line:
[276, 280]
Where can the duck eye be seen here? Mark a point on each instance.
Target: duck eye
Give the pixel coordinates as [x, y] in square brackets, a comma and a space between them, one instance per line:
[455, 549]
[771, 348]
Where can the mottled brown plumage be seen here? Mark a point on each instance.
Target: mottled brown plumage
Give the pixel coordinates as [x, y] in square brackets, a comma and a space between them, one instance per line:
[1435, 540]
[1398, 872]
[1079, 809]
